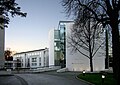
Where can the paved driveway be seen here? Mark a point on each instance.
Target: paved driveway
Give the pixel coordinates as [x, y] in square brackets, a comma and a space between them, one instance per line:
[9, 80]
[51, 78]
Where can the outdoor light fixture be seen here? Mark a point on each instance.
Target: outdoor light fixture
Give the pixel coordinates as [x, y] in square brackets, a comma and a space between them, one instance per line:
[103, 77]
[83, 72]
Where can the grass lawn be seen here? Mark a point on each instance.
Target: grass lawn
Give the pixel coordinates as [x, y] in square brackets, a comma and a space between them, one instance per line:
[96, 79]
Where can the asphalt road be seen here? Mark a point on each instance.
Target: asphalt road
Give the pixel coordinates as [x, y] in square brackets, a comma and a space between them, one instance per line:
[9, 80]
[51, 78]
[45, 78]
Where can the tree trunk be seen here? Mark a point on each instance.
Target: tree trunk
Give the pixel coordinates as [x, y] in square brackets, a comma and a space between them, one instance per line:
[90, 51]
[107, 51]
[91, 63]
[116, 50]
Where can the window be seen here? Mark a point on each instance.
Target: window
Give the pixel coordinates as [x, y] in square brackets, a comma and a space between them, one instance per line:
[40, 59]
[34, 64]
[44, 59]
[40, 64]
[57, 46]
[44, 63]
[21, 60]
[34, 59]
[57, 34]
[21, 64]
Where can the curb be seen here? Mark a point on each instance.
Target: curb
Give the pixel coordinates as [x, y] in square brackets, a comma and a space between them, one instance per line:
[6, 74]
[84, 81]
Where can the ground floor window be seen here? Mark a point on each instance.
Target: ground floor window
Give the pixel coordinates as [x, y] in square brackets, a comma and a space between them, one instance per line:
[34, 64]
[40, 64]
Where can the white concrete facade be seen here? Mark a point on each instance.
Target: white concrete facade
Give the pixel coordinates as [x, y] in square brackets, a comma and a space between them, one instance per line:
[51, 48]
[32, 59]
[76, 61]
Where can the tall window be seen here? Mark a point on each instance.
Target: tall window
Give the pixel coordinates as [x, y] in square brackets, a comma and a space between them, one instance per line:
[40, 61]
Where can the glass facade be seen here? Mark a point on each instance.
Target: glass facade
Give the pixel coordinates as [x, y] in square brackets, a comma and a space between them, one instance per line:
[57, 47]
[60, 45]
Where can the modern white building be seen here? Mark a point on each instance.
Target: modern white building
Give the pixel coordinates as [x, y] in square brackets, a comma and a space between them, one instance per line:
[31, 59]
[2, 41]
[61, 55]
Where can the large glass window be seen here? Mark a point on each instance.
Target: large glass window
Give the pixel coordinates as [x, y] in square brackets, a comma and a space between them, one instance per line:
[60, 45]
[57, 45]
[62, 32]
[56, 35]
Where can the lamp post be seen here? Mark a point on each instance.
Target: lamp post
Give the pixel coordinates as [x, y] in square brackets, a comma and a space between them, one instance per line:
[83, 72]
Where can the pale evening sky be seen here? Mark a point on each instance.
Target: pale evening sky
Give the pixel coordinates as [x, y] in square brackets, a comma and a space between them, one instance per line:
[31, 33]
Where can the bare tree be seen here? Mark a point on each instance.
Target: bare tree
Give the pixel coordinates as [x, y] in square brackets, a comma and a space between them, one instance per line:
[87, 39]
[8, 58]
[106, 12]
[8, 55]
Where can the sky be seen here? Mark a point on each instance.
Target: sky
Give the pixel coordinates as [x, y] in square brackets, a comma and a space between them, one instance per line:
[31, 33]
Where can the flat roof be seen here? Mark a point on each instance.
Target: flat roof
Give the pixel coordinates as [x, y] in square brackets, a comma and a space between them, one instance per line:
[30, 51]
[64, 22]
